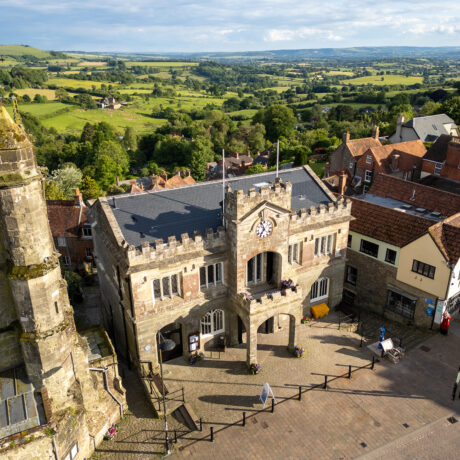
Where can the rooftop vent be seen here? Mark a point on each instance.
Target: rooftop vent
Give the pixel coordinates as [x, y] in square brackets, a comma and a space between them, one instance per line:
[436, 214]
[406, 206]
[301, 197]
[260, 185]
[420, 210]
[141, 235]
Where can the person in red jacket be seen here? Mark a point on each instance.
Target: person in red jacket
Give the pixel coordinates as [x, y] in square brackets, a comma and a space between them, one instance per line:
[445, 322]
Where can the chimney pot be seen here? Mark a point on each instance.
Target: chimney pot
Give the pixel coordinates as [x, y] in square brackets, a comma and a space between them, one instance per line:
[395, 162]
[375, 132]
[346, 137]
[342, 183]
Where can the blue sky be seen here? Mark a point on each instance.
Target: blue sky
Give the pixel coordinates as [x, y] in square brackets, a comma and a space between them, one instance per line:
[218, 25]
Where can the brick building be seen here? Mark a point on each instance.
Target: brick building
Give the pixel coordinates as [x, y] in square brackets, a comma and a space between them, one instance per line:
[171, 261]
[443, 158]
[71, 231]
[403, 252]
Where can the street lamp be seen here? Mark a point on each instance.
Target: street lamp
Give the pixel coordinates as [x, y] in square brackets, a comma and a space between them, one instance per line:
[164, 345]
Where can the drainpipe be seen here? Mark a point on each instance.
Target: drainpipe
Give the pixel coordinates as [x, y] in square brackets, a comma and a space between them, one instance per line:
[56, 455]
[106, 384]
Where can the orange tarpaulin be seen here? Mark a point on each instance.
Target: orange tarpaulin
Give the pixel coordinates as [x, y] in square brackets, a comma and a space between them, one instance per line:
[318, 311]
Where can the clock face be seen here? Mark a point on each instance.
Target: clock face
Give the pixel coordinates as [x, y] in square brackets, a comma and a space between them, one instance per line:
[264, 229]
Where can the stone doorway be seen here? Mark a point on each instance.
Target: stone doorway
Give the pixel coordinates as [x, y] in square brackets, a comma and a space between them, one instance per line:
[173, 332]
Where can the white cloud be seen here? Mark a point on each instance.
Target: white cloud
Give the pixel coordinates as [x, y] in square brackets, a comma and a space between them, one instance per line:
[279, 35]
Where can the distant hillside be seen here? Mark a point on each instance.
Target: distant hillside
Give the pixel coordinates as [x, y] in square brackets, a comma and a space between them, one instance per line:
[381, 52]
[23, 50]
[357, 53]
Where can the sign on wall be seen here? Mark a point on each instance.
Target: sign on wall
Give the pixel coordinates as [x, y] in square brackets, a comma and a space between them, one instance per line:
[193, 342]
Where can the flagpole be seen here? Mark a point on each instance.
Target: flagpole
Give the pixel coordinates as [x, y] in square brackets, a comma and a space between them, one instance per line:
[277, 157]
[223, 186]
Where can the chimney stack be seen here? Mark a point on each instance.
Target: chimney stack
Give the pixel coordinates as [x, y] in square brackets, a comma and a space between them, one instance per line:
[342, 183]
[164, 175]
[395, 162]
[375, 132]
[346, 137]
[78, 198]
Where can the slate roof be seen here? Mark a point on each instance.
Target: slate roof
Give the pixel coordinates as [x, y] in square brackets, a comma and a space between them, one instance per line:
[438, 151]
[160, 214]
[430, 127]
[447, 237]
[21, 407]
[415, 194]
[386, 224]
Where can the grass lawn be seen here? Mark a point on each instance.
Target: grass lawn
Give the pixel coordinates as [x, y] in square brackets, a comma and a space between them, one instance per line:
[380, 80]
[41, 110]
[318, 168]
[74, 120]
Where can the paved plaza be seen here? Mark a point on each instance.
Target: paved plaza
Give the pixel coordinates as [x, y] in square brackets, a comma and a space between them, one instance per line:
[391, 406]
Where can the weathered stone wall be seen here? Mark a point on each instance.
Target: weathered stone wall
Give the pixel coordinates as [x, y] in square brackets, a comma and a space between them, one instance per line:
[374, 280]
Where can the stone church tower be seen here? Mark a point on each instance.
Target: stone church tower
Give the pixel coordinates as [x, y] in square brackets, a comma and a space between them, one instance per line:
[46, 386]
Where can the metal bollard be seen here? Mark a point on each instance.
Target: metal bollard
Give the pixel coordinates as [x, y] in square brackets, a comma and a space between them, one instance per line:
[325, 383]
[454, 391]
[212, 434]
[349, 372]
[300, 393]
[201, 424]
[244, 418]
[373, 363]
[175, 437]
[273, 406]
[167, 449]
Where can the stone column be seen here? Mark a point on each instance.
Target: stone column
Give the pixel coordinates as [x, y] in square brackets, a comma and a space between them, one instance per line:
[292, 326]
[232, 328]
[251, 346]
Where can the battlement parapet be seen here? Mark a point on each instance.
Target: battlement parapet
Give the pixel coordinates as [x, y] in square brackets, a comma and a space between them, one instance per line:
[160, 250]
[340, 208]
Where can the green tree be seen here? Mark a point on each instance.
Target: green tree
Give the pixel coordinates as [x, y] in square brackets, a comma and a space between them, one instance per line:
[451, 107]
[52, 191]
[67, 179]
[89, 188]
[130, 139]
[111, 161]
[255, 169]
[279, 121]
[61, 95]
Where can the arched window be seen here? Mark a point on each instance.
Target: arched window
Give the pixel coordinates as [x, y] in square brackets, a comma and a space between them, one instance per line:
[319, 289]
[213, 322]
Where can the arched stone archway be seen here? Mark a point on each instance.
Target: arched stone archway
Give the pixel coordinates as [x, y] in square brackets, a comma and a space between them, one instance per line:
[295, 314]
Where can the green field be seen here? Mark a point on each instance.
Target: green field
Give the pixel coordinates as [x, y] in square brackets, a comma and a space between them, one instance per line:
[72, 83]
[161, 63]
[49, 93]
[20, 50]
[381, 80]
[41, 110]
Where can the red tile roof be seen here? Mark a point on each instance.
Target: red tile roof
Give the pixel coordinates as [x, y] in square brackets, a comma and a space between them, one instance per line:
[357, 147]
[386, 224]
[446, 235]
[416, 194]
[65, 216]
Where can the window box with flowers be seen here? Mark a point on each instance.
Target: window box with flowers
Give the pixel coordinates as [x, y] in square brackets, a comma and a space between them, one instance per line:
[197, 356]
[254, 368]
[299, 351]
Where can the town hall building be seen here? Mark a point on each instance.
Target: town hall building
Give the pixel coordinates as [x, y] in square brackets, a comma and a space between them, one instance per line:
[201, 266]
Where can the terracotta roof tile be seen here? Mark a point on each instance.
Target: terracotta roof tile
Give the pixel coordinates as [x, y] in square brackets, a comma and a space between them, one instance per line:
[357, 147]
[386, 224]
[447, 237]
[415, 194]
[64, 216]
